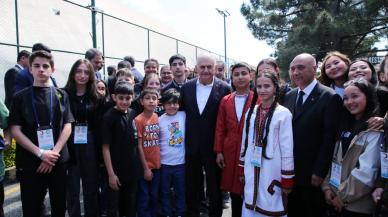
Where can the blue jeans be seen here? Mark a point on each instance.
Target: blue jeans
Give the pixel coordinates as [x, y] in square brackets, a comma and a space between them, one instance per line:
[147, 196]
[173, 176]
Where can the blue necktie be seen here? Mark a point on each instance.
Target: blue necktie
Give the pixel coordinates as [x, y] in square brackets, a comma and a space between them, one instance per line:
[299, 103]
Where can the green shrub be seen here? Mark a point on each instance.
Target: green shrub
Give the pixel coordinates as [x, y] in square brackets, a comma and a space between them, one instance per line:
[9, 155]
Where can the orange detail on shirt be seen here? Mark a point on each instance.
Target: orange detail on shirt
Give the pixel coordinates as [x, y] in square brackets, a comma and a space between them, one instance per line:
[148, 133]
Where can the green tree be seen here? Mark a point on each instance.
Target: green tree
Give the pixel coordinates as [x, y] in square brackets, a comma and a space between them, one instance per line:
[317, 26]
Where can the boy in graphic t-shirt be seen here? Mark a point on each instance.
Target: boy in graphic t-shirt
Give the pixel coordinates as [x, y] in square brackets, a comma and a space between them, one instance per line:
[147, 125]
[172, 153]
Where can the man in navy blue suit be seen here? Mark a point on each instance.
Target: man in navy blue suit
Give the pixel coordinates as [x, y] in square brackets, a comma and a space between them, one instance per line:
[10, 75]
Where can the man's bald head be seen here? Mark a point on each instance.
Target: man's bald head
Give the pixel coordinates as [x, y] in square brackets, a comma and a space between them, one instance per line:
[302, 69]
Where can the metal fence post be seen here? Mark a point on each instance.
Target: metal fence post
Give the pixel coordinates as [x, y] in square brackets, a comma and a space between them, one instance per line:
[148, 43]
[17, 26]
[103, 40]
[94, 35]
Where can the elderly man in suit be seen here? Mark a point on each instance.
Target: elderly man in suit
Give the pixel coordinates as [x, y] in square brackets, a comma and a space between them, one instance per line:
[10, 75]
[316, 110]
[201, 97]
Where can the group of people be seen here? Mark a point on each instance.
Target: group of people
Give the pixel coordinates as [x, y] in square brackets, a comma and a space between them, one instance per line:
[159, 145]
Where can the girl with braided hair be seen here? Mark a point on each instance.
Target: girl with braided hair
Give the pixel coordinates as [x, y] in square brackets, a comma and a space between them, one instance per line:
[267, 152]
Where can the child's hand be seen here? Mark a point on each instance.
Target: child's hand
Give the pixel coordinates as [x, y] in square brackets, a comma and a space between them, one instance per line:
[377, 194]
[148, 175]
[49, 157]
[220, 160]
[337, 203]
[44, 168]
[329, 196]
[114, 182]
[375, 123]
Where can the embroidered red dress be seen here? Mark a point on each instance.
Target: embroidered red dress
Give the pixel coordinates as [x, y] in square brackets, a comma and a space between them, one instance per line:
[228, 141]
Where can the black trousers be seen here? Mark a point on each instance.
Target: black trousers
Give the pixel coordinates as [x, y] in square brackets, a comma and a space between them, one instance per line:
[33, 188]
[237, 202]
[306, 201]
[122, 202]
[194, 164]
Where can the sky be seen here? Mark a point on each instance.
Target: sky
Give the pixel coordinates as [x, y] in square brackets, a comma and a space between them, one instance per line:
[198, 22]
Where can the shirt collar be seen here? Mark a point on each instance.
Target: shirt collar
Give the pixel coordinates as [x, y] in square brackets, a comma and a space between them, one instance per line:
[207, 85]
[309, 88]
[20, 66]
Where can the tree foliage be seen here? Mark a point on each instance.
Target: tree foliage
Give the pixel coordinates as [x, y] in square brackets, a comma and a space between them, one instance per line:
[317, 26]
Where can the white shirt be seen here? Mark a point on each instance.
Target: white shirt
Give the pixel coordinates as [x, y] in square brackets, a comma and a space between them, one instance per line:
[239, 102]
[172, 138]
[203, 93]
[339, 90]
[307, 90]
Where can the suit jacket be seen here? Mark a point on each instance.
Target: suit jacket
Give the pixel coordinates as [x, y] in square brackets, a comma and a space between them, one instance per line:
[9, 83]
[314, 129]
[25, 79]
[200, 128]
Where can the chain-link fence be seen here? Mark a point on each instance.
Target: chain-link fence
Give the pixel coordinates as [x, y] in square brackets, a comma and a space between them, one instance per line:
[67, 27]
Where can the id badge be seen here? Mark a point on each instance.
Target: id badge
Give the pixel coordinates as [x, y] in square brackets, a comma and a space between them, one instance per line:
[384, 164]
[45, 138]
[81, 134]
[256, 158]
[335, 176]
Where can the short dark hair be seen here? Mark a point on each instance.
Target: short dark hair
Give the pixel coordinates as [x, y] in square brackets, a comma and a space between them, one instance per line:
[42, 54]
[111, 69]
[130, 59]
[123, 88]
[148, 91]
[91, 53]
[151, 60]
[124, 64]
[40, 46]
[177, 57]
[170, 96]
[23, 53]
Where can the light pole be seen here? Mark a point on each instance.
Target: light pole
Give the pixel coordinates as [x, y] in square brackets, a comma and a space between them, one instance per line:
[224, 13]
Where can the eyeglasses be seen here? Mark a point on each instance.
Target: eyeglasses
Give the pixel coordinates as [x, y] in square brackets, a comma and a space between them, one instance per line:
[356, 81]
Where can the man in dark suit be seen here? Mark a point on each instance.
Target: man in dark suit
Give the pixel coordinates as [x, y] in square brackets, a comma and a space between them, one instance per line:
[316, 110]
[201, 98]
[10, 75]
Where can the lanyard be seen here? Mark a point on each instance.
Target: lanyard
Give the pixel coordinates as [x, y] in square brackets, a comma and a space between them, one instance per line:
[34, 107]
[79, 104]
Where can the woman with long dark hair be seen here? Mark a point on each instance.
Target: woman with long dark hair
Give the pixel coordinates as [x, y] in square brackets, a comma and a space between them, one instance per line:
[355, 164]
[81, 88]
[267, 152]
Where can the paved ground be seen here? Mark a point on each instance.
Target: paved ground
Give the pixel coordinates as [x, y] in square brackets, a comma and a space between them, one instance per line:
[13, 206]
